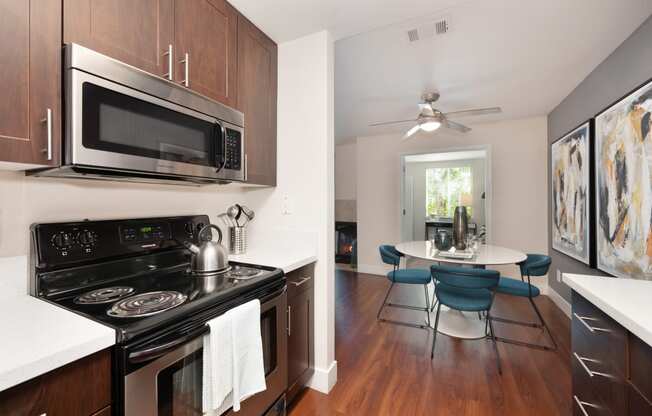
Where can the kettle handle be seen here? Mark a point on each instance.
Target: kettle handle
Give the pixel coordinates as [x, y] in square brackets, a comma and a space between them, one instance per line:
[207, 227]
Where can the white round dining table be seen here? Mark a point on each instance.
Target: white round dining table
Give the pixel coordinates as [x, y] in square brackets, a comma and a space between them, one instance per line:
[458, 324]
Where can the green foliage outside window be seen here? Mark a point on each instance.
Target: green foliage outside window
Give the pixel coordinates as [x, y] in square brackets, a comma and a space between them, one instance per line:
[444, 190]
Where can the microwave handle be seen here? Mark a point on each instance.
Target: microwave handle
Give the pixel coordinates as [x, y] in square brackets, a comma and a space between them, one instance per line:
[222, 162]
[159, 350]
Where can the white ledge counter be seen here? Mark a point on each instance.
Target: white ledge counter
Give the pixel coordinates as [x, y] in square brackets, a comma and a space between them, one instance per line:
[284, 249]
[38, 337]
[627, 301]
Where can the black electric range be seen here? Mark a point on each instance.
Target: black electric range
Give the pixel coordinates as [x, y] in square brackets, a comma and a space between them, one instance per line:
[134, 275]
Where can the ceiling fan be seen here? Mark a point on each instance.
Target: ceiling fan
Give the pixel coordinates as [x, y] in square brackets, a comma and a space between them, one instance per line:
[431, 119]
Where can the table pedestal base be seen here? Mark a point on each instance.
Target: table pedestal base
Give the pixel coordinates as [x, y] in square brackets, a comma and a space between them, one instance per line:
[457, 324]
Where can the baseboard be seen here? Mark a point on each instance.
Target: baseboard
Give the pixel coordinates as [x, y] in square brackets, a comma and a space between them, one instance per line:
[559, 301]
[323, 380]
[372, 269]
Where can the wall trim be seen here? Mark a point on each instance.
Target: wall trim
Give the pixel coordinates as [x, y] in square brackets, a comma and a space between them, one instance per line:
[559, 301]
[376, 269]
[323, 380]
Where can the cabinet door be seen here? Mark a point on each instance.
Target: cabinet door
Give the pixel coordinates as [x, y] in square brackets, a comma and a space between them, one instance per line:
[300, 344]
[257, 93]
[137, 32]
[30, 52]
[206, 30]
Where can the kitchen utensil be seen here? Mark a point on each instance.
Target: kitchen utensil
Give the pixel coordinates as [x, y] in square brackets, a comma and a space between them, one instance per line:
[210, 256]
[239, 214]
[232, 212]
[249, 214]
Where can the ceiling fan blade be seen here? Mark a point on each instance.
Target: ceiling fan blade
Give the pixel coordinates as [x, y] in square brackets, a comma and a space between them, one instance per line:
[384, 123]
[474, 112]
[411, 132]
[457, 126]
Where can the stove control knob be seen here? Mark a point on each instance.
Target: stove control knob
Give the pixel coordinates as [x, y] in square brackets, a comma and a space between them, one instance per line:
[62, 240]
[188, 228]
[87, 238]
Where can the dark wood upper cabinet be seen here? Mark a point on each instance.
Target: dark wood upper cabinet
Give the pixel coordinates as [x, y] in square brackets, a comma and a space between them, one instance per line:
[137, 32]
[30, 52]
[207, 30]
[257, 93]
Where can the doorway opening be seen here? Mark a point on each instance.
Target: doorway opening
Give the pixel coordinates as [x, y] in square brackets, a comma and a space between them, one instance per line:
[433, 184]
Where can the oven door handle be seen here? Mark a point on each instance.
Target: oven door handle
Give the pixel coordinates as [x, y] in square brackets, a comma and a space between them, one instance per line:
[156, 351]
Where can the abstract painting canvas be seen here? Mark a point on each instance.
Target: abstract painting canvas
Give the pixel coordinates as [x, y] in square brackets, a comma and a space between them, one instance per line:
[624, 194]
[570, 194]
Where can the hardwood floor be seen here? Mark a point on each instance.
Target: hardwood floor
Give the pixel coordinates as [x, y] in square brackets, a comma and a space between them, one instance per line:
[385, 369]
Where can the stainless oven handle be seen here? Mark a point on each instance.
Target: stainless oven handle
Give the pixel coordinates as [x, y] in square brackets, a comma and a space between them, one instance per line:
[150, 353]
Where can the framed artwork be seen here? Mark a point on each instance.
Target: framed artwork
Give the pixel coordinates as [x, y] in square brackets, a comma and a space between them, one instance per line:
[623, 162]
[571, 194]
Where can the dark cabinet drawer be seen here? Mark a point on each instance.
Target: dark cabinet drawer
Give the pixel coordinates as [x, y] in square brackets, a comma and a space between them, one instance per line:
[598, 387]
[640, 366]
[300, 280]
[598, 338]
[638, 405]
[586, 402]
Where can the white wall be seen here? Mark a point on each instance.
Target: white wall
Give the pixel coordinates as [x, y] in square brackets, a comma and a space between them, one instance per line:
[417, 170]
[518, 152]
[345, 171]
[306, 177]
[26, 200]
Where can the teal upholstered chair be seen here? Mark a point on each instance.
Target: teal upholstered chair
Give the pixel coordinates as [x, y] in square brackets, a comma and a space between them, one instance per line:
[465, 289]
[534, 265]
[391, 256]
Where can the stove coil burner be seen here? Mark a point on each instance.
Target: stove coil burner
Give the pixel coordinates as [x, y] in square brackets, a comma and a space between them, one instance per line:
[104, 295]
[146, 304]
[243, 273]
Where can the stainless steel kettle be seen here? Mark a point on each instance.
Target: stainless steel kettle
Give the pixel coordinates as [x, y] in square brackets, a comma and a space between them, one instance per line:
[210, 256]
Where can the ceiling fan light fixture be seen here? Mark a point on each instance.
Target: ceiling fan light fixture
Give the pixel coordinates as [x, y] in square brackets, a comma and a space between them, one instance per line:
[430, 125]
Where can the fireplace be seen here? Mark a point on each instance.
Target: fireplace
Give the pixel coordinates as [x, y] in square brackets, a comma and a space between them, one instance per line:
[346, 235]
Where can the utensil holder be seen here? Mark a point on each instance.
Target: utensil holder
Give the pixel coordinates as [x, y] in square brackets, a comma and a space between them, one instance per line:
[237, 240]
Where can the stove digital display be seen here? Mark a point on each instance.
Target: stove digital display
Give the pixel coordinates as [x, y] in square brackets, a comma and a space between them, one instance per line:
[144, 233]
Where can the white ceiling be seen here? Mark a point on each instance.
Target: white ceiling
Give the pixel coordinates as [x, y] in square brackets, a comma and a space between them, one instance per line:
[524, 56]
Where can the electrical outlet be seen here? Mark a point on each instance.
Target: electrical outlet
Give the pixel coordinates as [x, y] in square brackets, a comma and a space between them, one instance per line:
[559, 275]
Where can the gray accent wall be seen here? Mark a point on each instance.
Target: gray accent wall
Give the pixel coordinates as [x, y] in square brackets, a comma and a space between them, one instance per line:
[629, 66]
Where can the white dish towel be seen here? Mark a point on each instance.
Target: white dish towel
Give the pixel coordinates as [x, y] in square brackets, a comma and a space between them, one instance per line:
[233, 359]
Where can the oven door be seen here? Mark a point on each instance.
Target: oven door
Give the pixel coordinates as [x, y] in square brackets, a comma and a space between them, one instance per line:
[115, 127]
[171, 385]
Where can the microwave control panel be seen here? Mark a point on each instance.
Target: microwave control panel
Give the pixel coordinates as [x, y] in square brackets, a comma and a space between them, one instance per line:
[233, 150]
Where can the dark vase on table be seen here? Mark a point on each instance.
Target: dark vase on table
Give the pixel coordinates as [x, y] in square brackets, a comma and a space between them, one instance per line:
[460, 228]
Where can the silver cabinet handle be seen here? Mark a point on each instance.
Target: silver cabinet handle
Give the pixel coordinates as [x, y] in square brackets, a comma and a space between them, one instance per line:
[289, 320]
[581, 405]
[583, 320]
[302, 281]
[170, 55]
[186, 68]
[587, 369]
[48, 121]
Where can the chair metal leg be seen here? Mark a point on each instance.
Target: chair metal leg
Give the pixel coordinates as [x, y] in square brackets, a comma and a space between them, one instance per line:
[434, 334]
[493, 341]
[395, 305]
[425, 288]
[384, 301]
[542, 325]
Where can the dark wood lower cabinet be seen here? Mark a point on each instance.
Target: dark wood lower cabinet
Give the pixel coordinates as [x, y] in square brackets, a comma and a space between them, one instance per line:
[81, 388]
[612, 368]
[301, 312]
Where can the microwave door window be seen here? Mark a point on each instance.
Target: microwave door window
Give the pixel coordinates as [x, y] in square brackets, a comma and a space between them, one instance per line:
[119, 123]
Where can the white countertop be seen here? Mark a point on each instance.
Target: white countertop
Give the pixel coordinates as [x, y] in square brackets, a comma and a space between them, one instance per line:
[37, 336]
[282, 249]
[627, 301]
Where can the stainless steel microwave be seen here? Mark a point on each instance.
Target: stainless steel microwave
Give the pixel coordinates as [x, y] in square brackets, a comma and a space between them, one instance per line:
[122, 123]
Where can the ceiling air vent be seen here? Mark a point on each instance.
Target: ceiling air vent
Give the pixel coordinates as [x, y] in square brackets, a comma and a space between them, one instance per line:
[429, 30]
[441, 26]
[413, 35]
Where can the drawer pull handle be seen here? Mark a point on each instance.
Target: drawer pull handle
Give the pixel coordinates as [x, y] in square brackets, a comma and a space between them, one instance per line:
[289, 320]
[302, 281]
[583, 320]
[581, 405]
[587, 369]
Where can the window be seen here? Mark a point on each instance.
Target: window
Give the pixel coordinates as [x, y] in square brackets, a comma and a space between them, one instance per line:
[446, 188]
